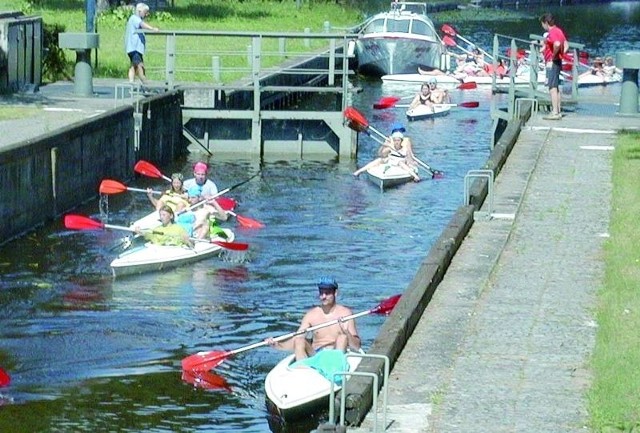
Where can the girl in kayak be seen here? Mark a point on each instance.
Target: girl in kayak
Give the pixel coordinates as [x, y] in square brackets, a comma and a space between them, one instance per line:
[176, 197]
[169, 233]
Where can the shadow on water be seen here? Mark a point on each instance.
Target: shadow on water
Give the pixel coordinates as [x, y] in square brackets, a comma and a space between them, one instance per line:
[90, 353]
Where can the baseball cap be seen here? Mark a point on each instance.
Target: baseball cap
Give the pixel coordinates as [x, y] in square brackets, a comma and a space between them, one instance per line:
[327, 283]
[397, 127]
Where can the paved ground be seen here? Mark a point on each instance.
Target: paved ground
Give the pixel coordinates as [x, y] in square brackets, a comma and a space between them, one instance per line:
[56, 106]
[505, 343]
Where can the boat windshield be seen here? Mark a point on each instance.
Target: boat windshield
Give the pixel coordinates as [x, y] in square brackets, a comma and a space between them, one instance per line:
[398, 26]
[374, 26]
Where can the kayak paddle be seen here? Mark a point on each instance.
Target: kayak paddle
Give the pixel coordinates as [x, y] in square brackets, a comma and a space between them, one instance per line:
[447, 29]
[110, 186]
[80, 222]
[5, 379]
[205, 361]
[359, 123]
[469, 104]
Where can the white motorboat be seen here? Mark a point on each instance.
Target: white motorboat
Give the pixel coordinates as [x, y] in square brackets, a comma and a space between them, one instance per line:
[428, 111]
[296, 392]
[387, 176]
[398, 41]
[588, 80]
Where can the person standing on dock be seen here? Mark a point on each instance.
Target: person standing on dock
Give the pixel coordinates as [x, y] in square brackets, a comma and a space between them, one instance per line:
[135, 43]
[556, 45]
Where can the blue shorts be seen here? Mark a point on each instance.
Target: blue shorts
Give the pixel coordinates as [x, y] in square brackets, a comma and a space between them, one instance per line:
[135, 57]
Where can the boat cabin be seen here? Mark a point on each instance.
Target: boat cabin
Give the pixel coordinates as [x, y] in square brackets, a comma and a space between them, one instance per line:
[409, 18]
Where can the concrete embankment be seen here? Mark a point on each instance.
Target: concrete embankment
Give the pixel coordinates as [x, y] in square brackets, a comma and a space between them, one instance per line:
[504, 341]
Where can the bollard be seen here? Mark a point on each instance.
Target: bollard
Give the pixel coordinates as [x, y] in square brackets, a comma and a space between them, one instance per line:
[215, 66]
[307, 43]
[629, 62]
[82, 44]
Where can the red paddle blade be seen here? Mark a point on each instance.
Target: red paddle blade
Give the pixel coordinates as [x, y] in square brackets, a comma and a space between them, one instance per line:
[79, 222]
[449, 42]
[5, 379]
[236, 246]
[147, 169]
[447, 29]
[386, 306]
[248, 222]
[356, 118]
[468, 86]
[226, 203]
[205, 380]
[109, 186]
[470, 104]
[204, 361]
[386, 102]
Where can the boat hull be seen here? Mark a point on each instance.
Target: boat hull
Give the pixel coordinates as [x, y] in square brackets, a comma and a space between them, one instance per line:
[422, 112]
[384, 55]
[386, 176]
[295, 393]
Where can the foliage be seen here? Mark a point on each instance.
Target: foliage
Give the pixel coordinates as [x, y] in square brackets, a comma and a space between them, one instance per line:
[614, 401]
[54, 63]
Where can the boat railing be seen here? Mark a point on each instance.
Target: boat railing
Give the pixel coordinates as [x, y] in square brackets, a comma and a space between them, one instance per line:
[412, 7]
[522, 56]
[374, 376]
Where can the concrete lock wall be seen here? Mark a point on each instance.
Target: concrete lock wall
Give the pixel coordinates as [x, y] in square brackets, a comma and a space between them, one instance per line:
[48, 176]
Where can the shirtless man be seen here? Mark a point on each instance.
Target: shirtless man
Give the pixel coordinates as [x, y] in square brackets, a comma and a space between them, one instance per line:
[341, 336]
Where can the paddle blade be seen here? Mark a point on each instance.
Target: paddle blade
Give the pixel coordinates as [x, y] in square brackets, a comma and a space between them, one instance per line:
[236, 246]
[204, 361]
[249, 223]
[468, 85]
[109, 186]
[448, 41]
[5, 379]
[386, 102]
[356, 118]
[226, 203]
[386, 306]
[447, 29]
[205, 380]
[469, 104]
[79, 222]
[147, 169]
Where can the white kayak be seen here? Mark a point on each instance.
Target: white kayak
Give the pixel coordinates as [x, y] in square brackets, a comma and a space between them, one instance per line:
[150, 257]
[297, 392]
[387, 176]
[428, 111]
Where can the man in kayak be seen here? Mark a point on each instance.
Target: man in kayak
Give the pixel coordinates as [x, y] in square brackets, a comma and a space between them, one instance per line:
[169, 233]
[556, 45]
[340, 336]
[396, 150]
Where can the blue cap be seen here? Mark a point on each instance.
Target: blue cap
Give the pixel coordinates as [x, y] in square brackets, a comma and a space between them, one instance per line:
[326, 283]
[397, 127]
[194, 191]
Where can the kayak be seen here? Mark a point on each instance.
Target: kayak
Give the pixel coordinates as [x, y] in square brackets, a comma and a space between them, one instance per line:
[150, 257]
[296, 392]
[387, 176]
[428, 112]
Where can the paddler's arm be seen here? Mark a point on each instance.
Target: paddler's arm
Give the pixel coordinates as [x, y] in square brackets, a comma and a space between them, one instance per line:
[348, 328]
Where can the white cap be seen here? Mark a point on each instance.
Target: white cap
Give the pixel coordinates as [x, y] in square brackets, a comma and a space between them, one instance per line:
[397, 134]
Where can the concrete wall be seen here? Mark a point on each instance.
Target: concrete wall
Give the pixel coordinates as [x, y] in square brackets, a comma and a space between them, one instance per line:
[48, 176]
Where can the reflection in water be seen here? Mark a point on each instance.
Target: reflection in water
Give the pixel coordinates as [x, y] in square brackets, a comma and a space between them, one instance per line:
[93, 353]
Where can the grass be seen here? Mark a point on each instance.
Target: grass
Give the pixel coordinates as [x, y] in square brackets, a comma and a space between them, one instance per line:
[614, 398]
[202, 15]
[11, 112]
